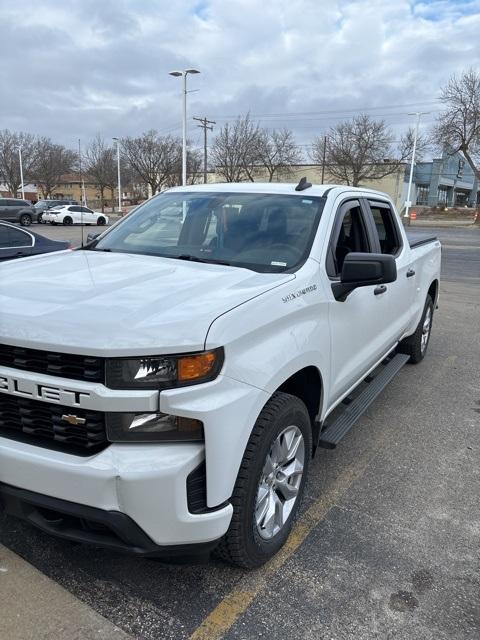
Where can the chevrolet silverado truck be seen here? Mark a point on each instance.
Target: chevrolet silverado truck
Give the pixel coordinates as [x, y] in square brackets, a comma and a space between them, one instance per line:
[164, 388]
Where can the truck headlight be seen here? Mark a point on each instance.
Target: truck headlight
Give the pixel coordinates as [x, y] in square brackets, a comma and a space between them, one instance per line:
[163, 372]
[152, 427]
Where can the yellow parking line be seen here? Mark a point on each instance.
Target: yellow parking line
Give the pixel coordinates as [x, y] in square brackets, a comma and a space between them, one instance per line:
[225, 614]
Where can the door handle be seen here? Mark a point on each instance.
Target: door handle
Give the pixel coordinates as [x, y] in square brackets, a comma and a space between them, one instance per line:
[410, 273]
[380, 289]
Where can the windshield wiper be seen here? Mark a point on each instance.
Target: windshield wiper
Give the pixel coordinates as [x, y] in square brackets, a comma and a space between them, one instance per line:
[191, 258]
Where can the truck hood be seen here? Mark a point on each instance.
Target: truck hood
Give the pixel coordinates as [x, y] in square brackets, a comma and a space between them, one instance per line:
[116, 304]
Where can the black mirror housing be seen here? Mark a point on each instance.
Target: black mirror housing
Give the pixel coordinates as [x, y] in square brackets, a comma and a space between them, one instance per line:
[91, 237]
[363, 270]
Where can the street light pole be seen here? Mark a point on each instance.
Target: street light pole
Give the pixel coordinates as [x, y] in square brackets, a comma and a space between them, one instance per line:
[184, 74]
[412, 163]
[117, 140]
[21, 171]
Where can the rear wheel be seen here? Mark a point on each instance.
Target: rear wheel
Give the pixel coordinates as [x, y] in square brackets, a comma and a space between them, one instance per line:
[416, 345]
[270, 483]
[67, 220]
[101, 221]
[25, 219]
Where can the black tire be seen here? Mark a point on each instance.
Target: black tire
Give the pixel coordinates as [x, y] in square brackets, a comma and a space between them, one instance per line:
[40, 218]
[25, 219]
[101, 221]
[53, 223]
[243, 545]
[67, 221]
[412, 345]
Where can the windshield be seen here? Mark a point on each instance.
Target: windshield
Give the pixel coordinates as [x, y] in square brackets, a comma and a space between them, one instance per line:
[268, 233]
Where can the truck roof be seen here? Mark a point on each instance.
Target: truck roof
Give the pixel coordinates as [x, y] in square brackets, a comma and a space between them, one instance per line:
[272, 187]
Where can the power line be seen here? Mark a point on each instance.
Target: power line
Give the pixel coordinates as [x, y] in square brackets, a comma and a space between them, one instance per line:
[295, 114]
[205, 126]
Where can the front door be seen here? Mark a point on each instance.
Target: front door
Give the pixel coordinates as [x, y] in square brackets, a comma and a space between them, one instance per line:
[359, 332]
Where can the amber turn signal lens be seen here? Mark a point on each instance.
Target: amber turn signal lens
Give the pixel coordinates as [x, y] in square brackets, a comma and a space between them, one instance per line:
[196, 366]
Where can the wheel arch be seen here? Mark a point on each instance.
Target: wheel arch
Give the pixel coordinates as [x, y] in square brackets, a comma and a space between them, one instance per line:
[307, 385]
[433, 291]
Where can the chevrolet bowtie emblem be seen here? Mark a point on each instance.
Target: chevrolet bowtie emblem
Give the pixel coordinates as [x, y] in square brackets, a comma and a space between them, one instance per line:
[71, 419]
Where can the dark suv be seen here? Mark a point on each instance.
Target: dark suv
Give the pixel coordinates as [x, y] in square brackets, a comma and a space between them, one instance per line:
[15, 210]
[45, 205]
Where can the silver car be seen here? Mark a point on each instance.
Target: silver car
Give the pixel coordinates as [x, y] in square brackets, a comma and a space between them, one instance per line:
[16, 210]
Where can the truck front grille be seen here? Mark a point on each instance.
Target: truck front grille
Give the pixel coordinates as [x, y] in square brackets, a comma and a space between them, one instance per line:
[43, 424]
[65, 365]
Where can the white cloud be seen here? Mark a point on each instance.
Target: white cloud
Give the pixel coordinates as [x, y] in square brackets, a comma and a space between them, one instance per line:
[71, 69]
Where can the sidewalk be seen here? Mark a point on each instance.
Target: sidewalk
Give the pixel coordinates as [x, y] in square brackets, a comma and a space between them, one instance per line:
[33, 607]
[436, 222]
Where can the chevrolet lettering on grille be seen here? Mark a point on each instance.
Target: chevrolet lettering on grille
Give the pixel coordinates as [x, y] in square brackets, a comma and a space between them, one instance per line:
[29, 389]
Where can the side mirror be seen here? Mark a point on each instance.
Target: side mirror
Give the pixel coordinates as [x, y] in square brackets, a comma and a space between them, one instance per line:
[91, 237]
[364, 270]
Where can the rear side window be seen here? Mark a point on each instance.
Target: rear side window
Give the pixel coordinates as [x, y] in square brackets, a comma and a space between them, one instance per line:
[19, 238]
[3, 235]
[388, 235]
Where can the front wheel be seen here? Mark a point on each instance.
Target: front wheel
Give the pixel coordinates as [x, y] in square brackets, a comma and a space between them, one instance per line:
[101, 221]
[67, 221]
[270, 483]
[25, 220]
[416, 345]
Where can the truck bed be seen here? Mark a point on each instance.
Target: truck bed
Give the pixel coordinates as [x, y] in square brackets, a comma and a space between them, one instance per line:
[416, 239]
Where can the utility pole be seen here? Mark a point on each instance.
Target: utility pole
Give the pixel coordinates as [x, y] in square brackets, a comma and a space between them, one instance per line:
[408, 204]
[82, 184]
[21, 171]
[205, 126]
[323, 157]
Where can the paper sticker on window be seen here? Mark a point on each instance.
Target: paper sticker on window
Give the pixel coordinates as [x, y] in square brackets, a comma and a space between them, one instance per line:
[307, 201]
[278, 264]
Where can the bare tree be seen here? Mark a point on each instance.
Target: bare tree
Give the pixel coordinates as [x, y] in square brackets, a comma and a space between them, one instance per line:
[51, 162]
[361, 149]
[277, 152]
[458, 127]
[151, 157]
[10, 142]
[101, 165]
[194, 165]
[235, 150]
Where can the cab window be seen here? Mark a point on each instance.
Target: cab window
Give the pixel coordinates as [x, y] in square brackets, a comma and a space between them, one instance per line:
[388, 235]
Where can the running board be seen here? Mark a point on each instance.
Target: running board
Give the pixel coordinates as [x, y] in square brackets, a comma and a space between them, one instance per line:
[331, 436]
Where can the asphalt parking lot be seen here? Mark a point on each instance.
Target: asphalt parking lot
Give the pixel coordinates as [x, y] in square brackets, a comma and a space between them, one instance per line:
[387, 543]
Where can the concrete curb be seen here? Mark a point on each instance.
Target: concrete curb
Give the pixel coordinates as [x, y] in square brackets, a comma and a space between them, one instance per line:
[33, 607]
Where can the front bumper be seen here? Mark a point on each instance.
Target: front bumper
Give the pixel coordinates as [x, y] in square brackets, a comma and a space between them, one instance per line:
[147, 484]
[108, 529]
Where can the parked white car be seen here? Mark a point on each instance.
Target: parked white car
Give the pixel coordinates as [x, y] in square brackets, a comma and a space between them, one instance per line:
[74, 214]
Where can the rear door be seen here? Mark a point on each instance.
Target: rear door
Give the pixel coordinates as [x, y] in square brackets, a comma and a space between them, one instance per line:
[14, 243]
[396, 302]
[3, 209]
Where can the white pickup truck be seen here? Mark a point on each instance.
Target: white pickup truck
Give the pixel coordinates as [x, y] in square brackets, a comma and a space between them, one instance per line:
[164, 388]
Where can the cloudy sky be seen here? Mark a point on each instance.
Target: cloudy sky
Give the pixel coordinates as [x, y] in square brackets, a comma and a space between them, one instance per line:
[72, 68]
